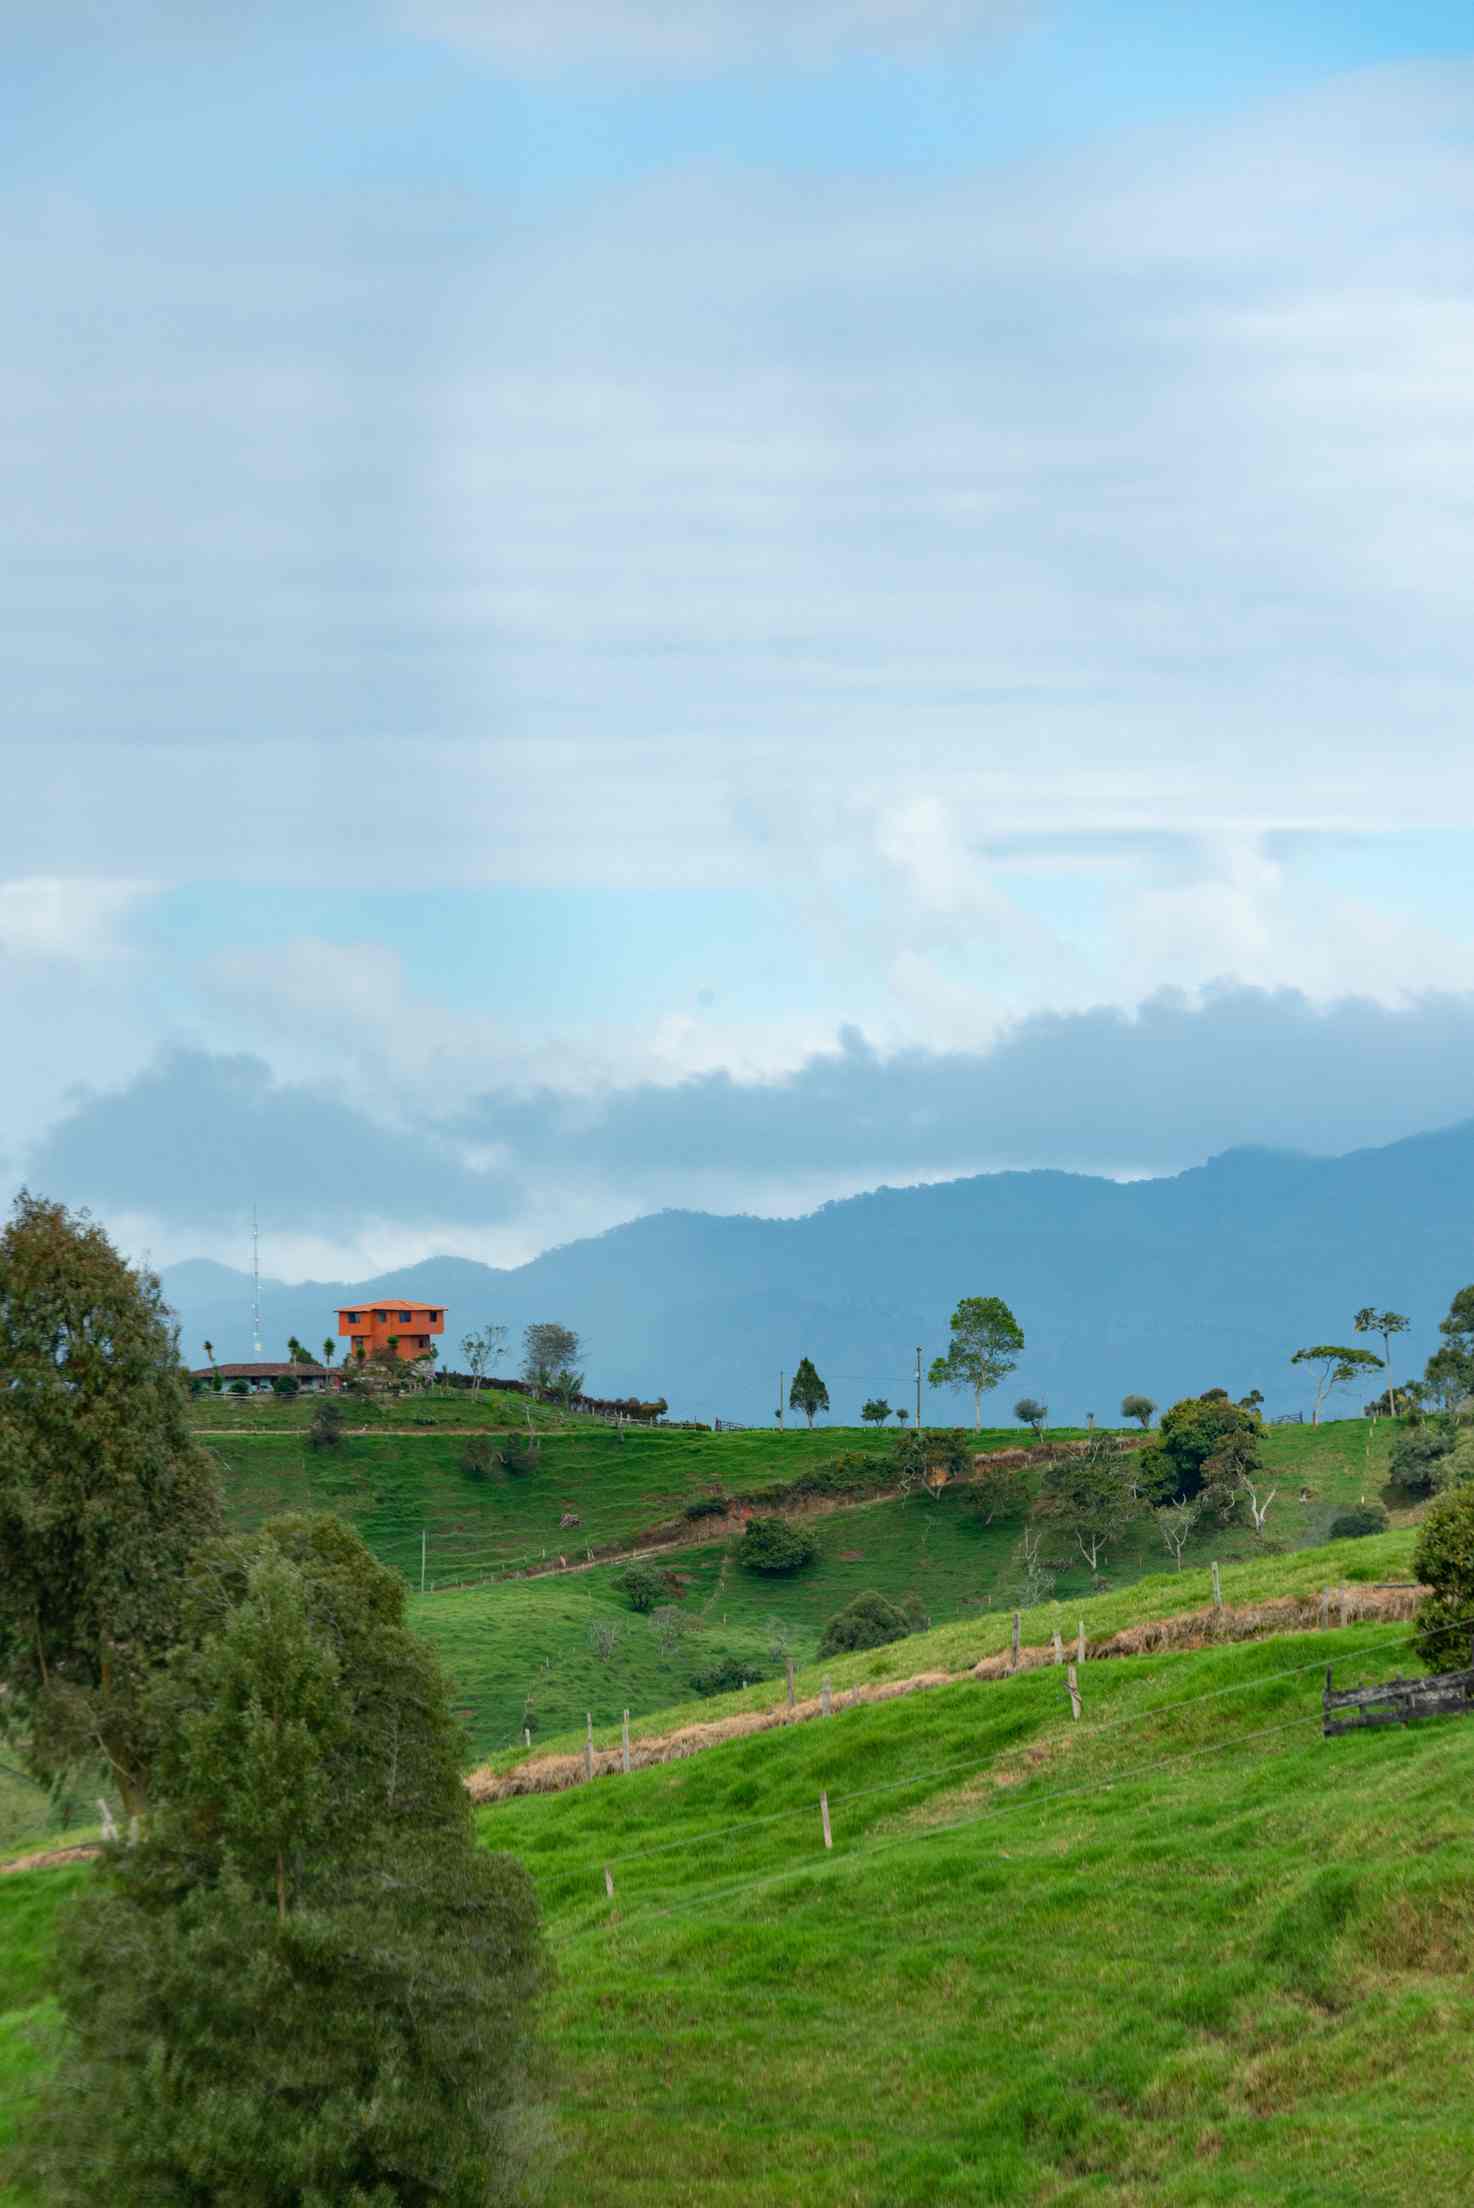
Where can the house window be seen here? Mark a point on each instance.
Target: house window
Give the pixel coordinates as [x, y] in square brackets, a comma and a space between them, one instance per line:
[381, 1316]
[405, 1317]
[352, 1318]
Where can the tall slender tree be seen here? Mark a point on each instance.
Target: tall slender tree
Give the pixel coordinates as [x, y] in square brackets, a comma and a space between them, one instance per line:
[985, 1347]
[808, 1392]
[1334, 1366]
[1369, 1320]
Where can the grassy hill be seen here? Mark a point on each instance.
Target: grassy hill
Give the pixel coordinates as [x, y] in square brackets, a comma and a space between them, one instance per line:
[1182, 1951]
[531, 1653]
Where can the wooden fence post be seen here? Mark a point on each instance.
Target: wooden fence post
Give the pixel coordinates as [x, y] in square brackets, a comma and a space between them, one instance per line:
[1074, 1686]
[788, 1672]
[626, 1740]
[1217, 1590]
[824, 1814]
[1345, 1602]
[1015, 1639]
[527, 1736]
[825, 1701]
[588, 1749]
[1325, 1608]
[1059, 1647]
[1080, 1643]
[608, 1882]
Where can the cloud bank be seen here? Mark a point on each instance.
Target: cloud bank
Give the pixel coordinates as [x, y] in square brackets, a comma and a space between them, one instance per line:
[197, 1138]
[700, 34]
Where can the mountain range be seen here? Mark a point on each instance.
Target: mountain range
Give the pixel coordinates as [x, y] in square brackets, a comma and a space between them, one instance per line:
[1209, 1277]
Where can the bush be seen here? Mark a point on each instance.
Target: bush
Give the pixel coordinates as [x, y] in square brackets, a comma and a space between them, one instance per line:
[284, 1385]
[1352, 1525]
[705, 1506]
[726, 1674]
[773, 1545]
[479, 1457]
[1444, 1561]
[326, 1429]
[1418, 1465]
[643, 1586]
[870, 1621]
[518, 1456]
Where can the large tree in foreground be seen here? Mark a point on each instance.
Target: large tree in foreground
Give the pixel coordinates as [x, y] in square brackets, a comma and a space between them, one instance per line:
[984, 1349]
[306, 1986]
[104, 1495]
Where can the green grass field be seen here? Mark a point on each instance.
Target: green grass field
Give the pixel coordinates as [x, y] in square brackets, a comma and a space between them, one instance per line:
[1184, 1951]
[524, 1653]
[275, 1414]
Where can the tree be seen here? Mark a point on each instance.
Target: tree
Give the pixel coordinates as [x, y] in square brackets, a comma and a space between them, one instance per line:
[808, 1392]
[1203, 1447]
[926, 1463]
[772, 1545]
[1449, 1374]
[870, 1621]
[1444, 1561]
[210, 1361]
[1335, 1366]
[1369, 1320]
[306, 1982]
[644, 1586]
[1000, 1490]
[1257, 1511]
[1139, 1407]
[902, 1416]
[548, 1348]
[1086, 1499]
[1029, 1411]
[481, 1351]
[985, 1347]
[1175, 1523]
[296, 1352]
[104, 1494]
[329, 1349]
[876, 1411]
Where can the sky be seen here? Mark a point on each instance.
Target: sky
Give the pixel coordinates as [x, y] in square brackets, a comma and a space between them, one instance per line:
[633, 603]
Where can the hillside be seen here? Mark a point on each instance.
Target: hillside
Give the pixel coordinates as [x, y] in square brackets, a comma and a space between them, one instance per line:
[541, 1652]
[1185, 1950]
[1170, 1286]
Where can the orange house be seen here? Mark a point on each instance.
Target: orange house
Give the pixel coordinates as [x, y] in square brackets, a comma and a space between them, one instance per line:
[391, 1323]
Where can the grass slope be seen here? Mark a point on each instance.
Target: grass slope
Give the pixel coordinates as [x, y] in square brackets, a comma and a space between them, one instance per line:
[1185, 1951]
[275, 1414]
[524, 1653]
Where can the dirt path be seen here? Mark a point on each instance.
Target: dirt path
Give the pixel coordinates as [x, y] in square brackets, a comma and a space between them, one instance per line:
[1205, 1628]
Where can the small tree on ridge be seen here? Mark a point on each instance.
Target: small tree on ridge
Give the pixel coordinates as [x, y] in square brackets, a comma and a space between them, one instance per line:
[986, 1343]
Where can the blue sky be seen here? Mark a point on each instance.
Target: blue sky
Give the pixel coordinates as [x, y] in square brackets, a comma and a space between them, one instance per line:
[559, 558]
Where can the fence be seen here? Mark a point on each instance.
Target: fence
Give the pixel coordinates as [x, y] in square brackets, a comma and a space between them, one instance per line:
[1397, 1701]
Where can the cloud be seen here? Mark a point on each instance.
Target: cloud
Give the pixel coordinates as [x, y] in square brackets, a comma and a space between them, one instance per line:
[203, 1138]
[706, 34]
[699, 535]
[49, 918]
[198, 1138]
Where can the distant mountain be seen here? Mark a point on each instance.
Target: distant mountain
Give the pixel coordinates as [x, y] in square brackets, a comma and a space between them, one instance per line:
[1211, 1277]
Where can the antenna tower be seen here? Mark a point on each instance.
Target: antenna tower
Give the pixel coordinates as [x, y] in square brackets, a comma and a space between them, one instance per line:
[256, 1283]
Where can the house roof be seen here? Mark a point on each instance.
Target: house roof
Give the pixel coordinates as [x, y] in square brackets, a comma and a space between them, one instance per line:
[384, 1298]
[261, 1372]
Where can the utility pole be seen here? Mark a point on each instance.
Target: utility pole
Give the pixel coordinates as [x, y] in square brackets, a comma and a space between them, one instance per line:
[256, 1282]
[780, 1402]
[918, 1387]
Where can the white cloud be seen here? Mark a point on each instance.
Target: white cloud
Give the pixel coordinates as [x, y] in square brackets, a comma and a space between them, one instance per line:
[59, 918]
[704, 34]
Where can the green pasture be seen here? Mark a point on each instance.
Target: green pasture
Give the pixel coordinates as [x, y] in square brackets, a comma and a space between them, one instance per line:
[532, 1653]
[1183, 1951]
[493, 1408]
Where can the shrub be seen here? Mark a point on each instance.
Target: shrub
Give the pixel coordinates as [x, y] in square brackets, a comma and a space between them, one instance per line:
[725, 1674]
[1418, 1463]
[773, 1545]
[238, 1387]
[479, 1457]
[326, 1429]
[284, 1385]
[518, 1456]
[1444, 1561]
[1204, 1446]
[704, 1506]
[870, 1621]
[643, 1586]
[1352, 1525]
